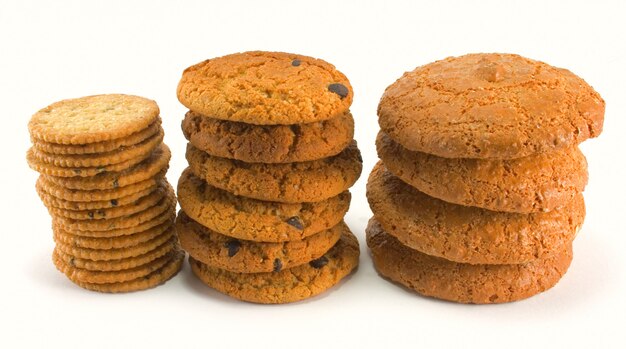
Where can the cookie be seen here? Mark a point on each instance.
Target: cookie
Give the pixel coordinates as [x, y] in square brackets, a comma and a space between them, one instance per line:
[58, 171]
[140, 150]
[169, 236]
[309, 181]
[464, 283]
[541, 182]
[250, 219]
[165, 205]
[270, 143]
[52, 201]
[496, 106]
[114, 212]
[241, 256]
[156, 278]
[469, 234]
[99, 147]
[45, 184]
[167, 217]
[118, 264]
[103, 277]
[92, 119]
[287, 285]
[105, 243]
[154, 166]
[265, 88]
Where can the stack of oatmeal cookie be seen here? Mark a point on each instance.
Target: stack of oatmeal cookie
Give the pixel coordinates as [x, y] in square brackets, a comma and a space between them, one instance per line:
[103, 162]
[271, 158]
[478, 195]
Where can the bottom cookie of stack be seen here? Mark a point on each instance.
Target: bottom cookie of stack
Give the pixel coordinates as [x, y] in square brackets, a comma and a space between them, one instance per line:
[121, 253]
[269, 272]
[460, 282]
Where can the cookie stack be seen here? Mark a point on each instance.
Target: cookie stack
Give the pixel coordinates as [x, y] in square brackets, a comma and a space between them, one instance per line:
[478, 195]
[103, 162]
[271, 158]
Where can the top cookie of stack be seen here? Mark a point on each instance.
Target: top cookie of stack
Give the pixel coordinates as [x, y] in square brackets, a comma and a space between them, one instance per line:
[271, 157]
[478, 195]
[103, 163]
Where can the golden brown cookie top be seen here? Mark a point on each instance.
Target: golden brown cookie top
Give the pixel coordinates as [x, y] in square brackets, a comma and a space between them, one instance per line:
[490, 106]
[265, 88]
[92, 119]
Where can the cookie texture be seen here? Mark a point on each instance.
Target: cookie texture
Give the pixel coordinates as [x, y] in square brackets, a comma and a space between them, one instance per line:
[60, 171]
[167, 216]
[535, 183]
[99, 147]
[269, 143]
[92, 119]
[250, 219]
[139, 205]
[140, 150]
[113, 242]
[46, 184]
[154, 166]
[242, 256]
[265, 88]
[499, 106]
[165, 205]
[51, 201]
[156, 278]
[469, 234]
[287, 285]
[296, 182]
[464, 283]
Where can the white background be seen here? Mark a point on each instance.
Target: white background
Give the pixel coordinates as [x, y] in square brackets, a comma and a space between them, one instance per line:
[52, 50]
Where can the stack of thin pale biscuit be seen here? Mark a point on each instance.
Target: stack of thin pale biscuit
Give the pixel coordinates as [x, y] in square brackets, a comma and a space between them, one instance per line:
[271, 158]
[103, 163]
[478, 195]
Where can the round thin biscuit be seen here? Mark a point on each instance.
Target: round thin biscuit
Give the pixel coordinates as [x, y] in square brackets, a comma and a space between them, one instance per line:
[155, 165]
[99, 147]
[105, 243]
[140, 150]
[92, 119]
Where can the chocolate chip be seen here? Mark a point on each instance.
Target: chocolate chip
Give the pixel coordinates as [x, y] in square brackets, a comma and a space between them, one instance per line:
[100, 169]
[233, 247]
[101, 213]
[116, 183]
[90, 214]
[295, 222]
[114, 202]
[76, 171]
[318, 263]
[278, 265]
[339, 89]
[72, 262]
[295, 62]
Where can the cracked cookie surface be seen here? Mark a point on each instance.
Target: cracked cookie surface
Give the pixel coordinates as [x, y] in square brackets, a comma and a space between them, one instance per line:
[250, 219]
[296, 182]
[269, 143]
[287, 285]
[499, 106]
[265, 88]
[242, 256]
[464, 283]
[535, 183]
[469, 234]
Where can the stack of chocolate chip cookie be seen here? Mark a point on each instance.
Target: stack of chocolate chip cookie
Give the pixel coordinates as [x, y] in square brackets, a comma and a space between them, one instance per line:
[271, 158]
[103, 162]
[478, 195]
